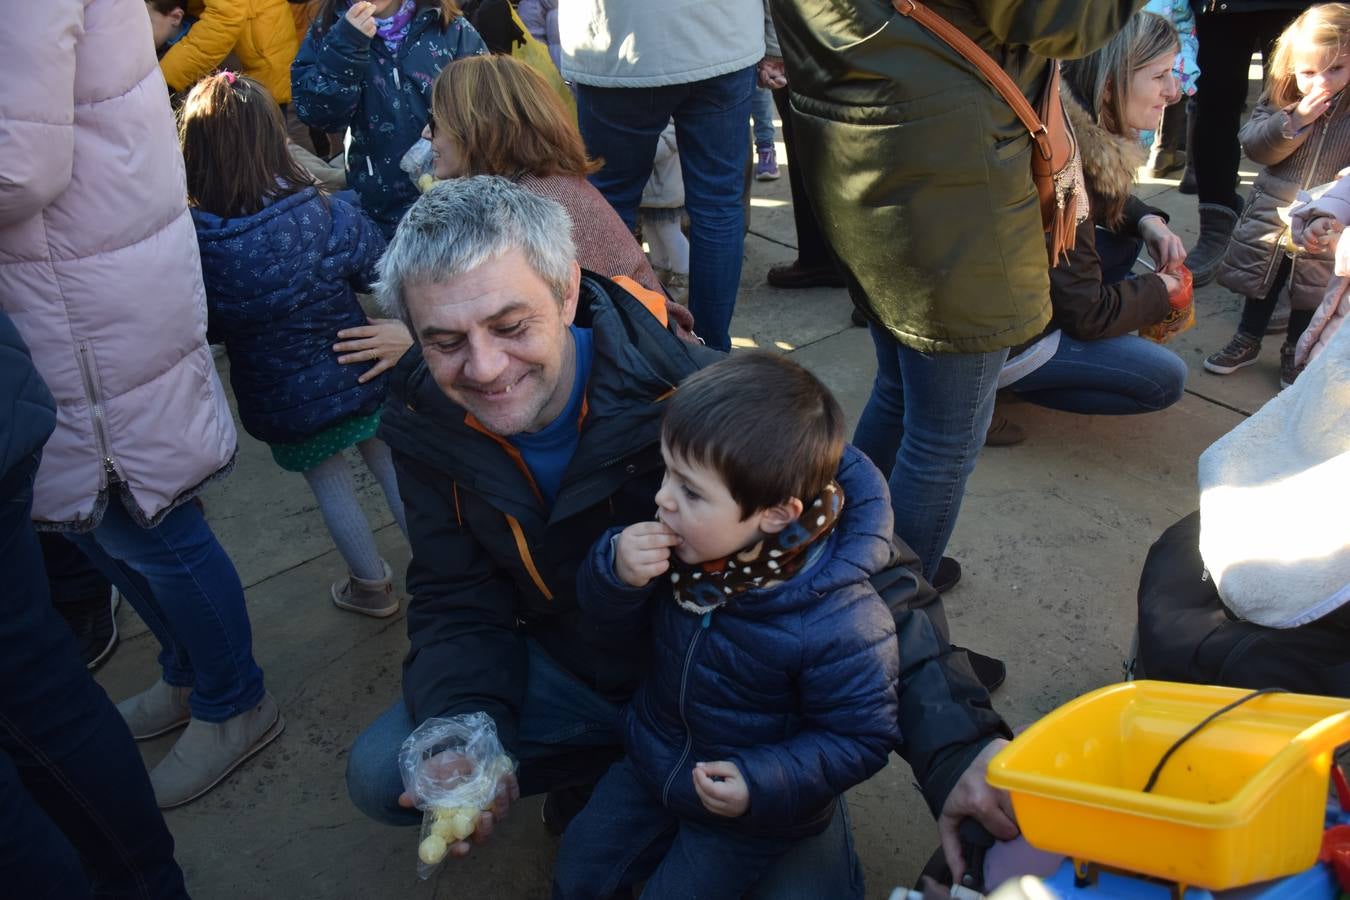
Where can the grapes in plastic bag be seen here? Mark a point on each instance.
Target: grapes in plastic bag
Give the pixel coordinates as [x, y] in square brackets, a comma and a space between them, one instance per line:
[420, 162]
[452, 768]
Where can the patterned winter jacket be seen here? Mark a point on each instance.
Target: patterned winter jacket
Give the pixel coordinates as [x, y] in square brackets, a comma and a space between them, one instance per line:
[795, 684]
[278, 288]
[342, 79]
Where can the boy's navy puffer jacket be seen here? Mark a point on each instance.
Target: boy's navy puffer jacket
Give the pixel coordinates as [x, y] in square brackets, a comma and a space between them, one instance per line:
[279, 287]
[342, 79]
[795, 684]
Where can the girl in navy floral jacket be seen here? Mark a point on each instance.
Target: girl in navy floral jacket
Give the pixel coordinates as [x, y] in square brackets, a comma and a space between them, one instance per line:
[369, 67]
[280, 262]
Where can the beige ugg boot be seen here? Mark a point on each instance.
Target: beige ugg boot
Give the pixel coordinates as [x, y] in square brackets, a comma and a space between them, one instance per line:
[369, 598]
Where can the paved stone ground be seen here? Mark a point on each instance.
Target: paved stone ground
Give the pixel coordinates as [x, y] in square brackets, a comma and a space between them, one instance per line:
[1052, 536]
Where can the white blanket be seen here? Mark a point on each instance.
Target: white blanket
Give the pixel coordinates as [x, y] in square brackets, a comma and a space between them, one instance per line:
[1275, 500]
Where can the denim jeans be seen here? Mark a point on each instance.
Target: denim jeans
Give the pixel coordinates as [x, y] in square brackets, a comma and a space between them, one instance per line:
[923, 427]
[625, 836]
[1107, 377]
[181, 582]
[622, 125]
[761, 115]
[569, 735]
[72, 785]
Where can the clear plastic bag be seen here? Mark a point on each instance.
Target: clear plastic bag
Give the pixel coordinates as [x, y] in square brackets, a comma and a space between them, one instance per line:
[452, 768]
[420, 163]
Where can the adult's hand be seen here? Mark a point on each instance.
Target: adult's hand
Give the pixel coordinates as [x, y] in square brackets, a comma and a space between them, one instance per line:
[361, 16]
[508, 791]
[1163, 245]
[772, 73]
[383, 342]
[1342, 257]
[974, 797]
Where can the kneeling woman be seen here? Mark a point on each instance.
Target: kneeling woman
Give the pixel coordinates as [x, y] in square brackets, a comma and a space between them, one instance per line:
[1088, 360]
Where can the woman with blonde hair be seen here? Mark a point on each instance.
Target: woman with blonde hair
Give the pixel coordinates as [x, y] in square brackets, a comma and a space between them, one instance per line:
[493, 115]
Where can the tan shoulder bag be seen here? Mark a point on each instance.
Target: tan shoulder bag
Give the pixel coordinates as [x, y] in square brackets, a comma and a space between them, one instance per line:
[1055, 159]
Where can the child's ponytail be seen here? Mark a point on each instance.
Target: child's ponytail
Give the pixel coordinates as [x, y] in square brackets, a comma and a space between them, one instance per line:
[233, 138]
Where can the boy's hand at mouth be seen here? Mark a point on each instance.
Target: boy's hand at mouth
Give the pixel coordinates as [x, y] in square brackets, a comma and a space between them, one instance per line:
[642, 552]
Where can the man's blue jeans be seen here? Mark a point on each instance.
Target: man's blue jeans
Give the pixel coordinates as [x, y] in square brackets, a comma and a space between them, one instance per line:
[712, 126]
[73, 788]
[569, 735]
[923, 427]
[181, 582]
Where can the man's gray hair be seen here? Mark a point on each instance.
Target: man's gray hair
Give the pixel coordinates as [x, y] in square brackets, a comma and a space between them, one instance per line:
[464, 222]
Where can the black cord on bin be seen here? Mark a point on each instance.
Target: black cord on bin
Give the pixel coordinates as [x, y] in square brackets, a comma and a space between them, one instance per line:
[1157, 770]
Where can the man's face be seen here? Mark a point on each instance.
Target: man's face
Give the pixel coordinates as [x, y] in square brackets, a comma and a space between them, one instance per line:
[163, 27]
[496, 341]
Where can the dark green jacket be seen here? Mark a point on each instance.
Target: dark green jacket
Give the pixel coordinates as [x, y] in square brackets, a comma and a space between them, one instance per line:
[919, 172]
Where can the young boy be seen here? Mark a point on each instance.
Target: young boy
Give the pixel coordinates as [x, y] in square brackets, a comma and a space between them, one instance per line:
[169, 22]
[774, 663]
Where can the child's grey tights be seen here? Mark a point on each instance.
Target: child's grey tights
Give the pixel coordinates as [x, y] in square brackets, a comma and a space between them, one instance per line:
[335, 489]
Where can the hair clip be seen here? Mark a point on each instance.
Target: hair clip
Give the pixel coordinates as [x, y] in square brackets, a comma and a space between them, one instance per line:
[229, 76]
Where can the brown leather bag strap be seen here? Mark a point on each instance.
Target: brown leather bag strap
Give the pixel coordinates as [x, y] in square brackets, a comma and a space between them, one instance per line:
[992, 71]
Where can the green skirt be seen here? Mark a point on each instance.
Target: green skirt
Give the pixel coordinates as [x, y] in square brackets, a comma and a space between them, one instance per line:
[306, 454]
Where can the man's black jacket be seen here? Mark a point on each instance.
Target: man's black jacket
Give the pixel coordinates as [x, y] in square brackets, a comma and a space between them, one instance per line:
[492, 564]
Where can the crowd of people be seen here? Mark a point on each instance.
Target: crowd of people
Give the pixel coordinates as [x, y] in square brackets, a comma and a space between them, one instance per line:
[693, 691]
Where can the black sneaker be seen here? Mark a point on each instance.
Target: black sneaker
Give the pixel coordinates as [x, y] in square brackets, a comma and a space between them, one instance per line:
[94, 624]
[991, 672]
[948, 575]
[1241, 351]
[1288, 371]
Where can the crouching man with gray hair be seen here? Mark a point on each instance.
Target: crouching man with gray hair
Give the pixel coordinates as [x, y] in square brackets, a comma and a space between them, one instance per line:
[524, 424]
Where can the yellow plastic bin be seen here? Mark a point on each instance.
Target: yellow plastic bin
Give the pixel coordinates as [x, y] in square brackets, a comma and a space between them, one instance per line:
[1242, 801]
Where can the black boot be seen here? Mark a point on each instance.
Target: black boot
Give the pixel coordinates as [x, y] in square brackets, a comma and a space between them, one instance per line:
[1217, 221]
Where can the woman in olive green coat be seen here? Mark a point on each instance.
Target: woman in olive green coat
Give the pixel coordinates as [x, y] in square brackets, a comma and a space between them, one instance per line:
[920, 175]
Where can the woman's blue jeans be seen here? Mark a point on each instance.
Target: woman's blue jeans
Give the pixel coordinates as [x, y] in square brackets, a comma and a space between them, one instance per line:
[923, 427]
[712, 127]
[181, 582]
[1114, 376]
[1108, 377]
[77, 815]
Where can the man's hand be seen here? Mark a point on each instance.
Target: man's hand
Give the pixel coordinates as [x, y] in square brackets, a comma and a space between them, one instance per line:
[973, 797]
[382, 342]
[721, 788]
[449, 764]
[642, 552]
[362, 18]
[1163, 245]
[772, 73]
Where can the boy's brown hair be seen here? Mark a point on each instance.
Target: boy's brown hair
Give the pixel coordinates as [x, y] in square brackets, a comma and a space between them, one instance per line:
[507, 120]
[234, 147]
[766, 425]
[165, 7]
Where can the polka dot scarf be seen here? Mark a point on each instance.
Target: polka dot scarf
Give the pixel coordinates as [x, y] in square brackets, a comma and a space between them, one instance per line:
[702, 587]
